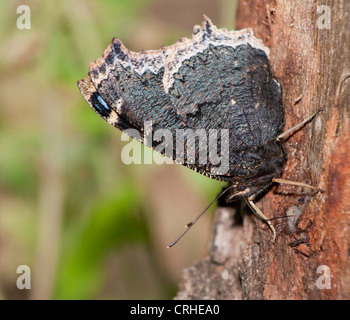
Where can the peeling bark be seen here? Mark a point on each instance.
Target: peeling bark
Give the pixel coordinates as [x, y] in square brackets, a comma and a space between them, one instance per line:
[313, 66]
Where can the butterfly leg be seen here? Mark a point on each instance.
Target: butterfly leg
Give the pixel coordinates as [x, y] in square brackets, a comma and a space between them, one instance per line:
[295, 183]
[296, 128]
[259, 214]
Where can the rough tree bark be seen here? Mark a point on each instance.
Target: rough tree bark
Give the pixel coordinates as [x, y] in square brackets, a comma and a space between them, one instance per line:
[310, 56]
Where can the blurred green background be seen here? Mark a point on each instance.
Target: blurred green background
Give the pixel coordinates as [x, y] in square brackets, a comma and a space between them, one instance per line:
[88, 226]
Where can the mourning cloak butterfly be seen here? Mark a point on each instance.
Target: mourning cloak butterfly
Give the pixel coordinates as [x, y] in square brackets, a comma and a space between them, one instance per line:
[216, 85]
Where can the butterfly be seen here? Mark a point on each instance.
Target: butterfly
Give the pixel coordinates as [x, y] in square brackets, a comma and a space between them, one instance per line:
[209, 103]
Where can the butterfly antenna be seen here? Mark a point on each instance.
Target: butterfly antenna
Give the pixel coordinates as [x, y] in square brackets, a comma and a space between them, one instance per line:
[190, 225]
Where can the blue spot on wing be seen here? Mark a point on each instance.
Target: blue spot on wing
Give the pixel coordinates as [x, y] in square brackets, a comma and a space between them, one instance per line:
[100, 105]
[102, 102]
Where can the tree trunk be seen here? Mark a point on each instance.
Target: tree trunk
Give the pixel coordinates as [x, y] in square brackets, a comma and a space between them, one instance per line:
[310, 57]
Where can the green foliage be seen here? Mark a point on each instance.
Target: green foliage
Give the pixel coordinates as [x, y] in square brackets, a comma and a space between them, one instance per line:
[18, 154]
[114, 221]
